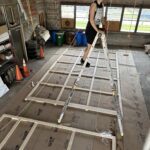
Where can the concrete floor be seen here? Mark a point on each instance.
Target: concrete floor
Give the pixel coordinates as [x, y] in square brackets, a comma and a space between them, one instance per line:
[53, 52]
[142, 62]
[12, 105]
[34, 66]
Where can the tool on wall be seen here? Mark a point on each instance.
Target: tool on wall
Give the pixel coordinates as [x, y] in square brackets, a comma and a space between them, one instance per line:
[30, 15]
[22, 10]
[11, 13]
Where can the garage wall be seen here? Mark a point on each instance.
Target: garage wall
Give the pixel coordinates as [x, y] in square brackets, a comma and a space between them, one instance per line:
[37, 6]
[52, 8]
[52, 11]
[128, 39]
[135, 40]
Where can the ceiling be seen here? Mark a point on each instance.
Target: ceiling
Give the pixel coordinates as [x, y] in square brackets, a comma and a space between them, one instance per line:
[145, 3]
[129, 2]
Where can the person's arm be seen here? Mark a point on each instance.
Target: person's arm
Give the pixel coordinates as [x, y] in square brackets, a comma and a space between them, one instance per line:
[92, 14]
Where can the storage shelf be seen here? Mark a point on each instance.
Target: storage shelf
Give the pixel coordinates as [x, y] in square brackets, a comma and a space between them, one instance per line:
[5, 62]
[3, 49]
[6, 65]
[4, 40]
[4, 37]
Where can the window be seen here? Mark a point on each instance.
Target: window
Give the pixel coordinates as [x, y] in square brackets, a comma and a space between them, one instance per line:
[129, 19]
[82, 13]
[67, 11]
[80, 17]
[144, 22]
[77, 17]
[114, 13]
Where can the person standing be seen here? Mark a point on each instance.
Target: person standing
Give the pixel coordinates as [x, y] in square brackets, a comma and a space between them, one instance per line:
[95, 19]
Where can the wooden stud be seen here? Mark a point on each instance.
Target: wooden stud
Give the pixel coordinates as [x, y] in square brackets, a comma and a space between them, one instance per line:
[22, 147]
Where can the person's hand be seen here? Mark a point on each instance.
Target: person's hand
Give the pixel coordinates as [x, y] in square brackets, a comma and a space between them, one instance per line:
[101, 32]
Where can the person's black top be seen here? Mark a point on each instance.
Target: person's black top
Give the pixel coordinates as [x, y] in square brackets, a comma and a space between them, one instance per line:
[90, 31]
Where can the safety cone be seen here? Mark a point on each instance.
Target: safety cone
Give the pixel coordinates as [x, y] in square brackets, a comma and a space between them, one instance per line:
[41, 52]
[18, 74]
[26, 72]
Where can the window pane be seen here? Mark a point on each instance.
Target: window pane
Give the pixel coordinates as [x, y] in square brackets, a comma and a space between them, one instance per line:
[131, 14]
[129, 19]
[144, 22]
[82, 13]
[128, 26]
[67, 11]
[80, 23]
[114, 13]
[145, 15]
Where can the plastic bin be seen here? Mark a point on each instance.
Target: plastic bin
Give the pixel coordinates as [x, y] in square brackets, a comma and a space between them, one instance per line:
[79, 38]
[69, 36]
[53, 37]
[59, 38]
[84, 40]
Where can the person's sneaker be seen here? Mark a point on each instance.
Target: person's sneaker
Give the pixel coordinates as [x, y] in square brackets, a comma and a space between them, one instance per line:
[87, 64]
[82, 62]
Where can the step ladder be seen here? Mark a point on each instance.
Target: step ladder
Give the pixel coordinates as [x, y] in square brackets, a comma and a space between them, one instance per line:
[112, 82]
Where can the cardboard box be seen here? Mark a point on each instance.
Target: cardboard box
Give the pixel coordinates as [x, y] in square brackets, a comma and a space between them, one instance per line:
[113, 26]
[67, 23]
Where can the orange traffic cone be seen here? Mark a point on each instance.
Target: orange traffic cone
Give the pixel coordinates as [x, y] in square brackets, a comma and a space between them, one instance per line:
[18, 74]
[25, 69]
[41, 52]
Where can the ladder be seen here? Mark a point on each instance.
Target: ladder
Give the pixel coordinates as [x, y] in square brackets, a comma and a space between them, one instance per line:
[112, 82]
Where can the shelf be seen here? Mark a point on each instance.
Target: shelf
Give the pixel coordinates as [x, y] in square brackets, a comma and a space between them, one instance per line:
[4, 37]
[4, 48]
[5, 45]
[5, 62]
[5, 67]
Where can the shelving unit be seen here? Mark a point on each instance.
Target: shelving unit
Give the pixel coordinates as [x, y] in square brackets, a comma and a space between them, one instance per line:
[13, 33]
[11, 13]
[7, 65]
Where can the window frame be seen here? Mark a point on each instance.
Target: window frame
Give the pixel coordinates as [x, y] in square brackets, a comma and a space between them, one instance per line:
[114, 7]
[139, 21]
[66, 18]
[76, 16]
[106, 12]
[75, 8]
[131, 20]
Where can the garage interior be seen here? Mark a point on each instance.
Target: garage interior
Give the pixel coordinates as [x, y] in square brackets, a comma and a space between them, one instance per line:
[50, 101]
